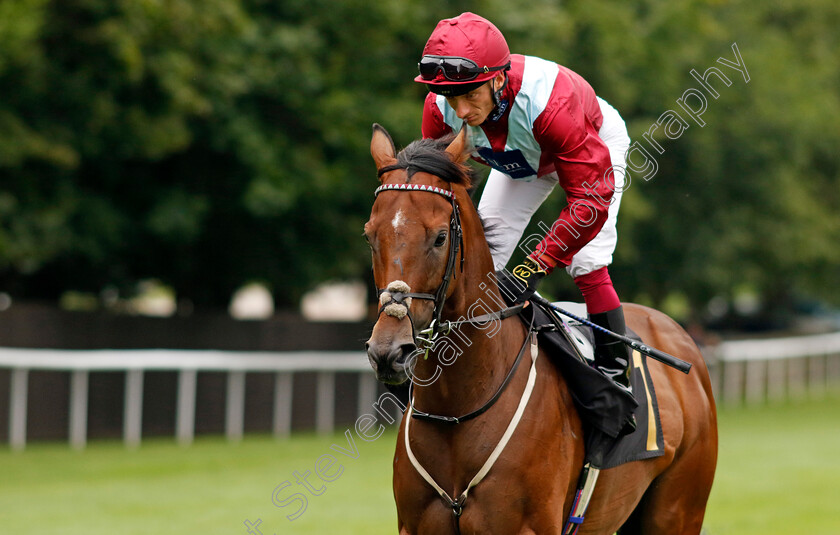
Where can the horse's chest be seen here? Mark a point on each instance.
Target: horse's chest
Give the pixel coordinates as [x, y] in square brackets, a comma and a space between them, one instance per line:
[487, 510]
[513, 494]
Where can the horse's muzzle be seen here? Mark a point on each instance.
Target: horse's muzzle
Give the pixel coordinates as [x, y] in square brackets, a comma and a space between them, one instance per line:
[389, 360]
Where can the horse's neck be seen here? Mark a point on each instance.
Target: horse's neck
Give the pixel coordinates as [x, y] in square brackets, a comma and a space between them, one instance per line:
[467, 366]
[470, 363]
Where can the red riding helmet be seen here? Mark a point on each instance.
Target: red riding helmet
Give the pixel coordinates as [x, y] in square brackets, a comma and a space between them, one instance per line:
[462, 52]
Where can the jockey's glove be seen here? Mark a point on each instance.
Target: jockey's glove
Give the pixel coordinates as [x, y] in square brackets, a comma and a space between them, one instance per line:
[523, 284]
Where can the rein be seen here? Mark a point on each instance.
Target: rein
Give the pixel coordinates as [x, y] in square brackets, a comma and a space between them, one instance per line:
[420, 415]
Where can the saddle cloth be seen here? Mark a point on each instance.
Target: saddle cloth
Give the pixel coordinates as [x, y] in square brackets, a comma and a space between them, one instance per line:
[599, 401]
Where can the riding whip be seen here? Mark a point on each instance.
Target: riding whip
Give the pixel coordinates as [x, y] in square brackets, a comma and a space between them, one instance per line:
[652, 352]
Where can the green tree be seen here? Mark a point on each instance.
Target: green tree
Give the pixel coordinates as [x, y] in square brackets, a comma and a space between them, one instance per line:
[208, 144]
[749, 199]
[204, 144]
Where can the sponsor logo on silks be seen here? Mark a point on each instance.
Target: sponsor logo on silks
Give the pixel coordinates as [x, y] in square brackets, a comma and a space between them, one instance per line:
[500, 110]
[511, 162]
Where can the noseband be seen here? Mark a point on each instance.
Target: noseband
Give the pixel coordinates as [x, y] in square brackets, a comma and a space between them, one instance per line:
[399, 294]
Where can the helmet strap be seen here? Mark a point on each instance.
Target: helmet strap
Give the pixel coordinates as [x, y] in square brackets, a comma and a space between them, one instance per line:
[497, 94]
[499, 105]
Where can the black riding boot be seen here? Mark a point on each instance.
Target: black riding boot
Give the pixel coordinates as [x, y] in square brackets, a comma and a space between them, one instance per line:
[612, 357]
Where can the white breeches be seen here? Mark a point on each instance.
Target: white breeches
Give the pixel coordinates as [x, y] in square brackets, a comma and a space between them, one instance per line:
[508, 205]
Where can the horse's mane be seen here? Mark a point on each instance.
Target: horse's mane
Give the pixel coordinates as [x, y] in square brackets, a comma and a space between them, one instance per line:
[429, 156]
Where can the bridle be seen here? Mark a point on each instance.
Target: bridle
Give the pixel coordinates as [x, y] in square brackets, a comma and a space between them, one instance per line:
[427, 336]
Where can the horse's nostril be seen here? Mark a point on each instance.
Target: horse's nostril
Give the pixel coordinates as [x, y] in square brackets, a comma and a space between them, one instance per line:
[395, 355]
[407, 350]
[399, 355]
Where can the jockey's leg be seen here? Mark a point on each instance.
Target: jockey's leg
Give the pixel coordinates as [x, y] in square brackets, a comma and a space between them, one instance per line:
[506, 207]
[612, 357]
[589, 270]
[589, 265]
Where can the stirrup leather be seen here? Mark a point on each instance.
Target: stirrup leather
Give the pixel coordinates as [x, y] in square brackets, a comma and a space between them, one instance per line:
[583, 495]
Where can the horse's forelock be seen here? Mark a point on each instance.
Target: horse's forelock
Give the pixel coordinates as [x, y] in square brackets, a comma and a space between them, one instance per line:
[430, 156]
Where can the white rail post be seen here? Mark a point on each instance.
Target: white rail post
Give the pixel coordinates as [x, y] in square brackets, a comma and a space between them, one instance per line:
[185, 418]
[133, 408]
[755, 381]
[78, 408]
[715, 363]
[17, 408]
[833, 369]
[776, 380]
[797, 378]
[367, 393]
[235, 406]
[733, 382]
[282, 422]
[817, 376]
[325, 403]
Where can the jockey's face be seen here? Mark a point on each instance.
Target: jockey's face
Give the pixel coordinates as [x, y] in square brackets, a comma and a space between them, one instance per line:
[475, 106]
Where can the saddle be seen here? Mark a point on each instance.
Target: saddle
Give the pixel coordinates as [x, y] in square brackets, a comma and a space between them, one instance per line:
[601, 404]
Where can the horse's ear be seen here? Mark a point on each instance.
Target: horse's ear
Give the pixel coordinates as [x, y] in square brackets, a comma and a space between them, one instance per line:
[457, 150]
[382, 147]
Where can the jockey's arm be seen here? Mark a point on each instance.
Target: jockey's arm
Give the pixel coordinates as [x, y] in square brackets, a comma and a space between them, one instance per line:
[581, 160]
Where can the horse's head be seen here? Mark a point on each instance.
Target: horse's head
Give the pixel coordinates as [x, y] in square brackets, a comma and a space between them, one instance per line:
[414, 234]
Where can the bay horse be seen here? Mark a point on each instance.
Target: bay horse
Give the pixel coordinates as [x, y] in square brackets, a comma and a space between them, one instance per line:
[432, 265]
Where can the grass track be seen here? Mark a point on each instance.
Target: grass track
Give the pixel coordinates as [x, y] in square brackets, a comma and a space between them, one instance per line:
[778, 473]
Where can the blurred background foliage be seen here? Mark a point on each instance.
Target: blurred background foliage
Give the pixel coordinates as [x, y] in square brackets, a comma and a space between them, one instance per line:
[209, 144]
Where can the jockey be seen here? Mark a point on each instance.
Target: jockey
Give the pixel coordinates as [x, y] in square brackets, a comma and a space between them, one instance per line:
[535, 123]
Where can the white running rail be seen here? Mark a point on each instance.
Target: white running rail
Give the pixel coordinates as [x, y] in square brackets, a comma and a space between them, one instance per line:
[80, 363]
[775, 368]
[743, 371]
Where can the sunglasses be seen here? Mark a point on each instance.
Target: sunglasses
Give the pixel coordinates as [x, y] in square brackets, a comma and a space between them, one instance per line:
[454, 68]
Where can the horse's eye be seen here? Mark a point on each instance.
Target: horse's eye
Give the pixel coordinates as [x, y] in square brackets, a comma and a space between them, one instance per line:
[441, 239]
